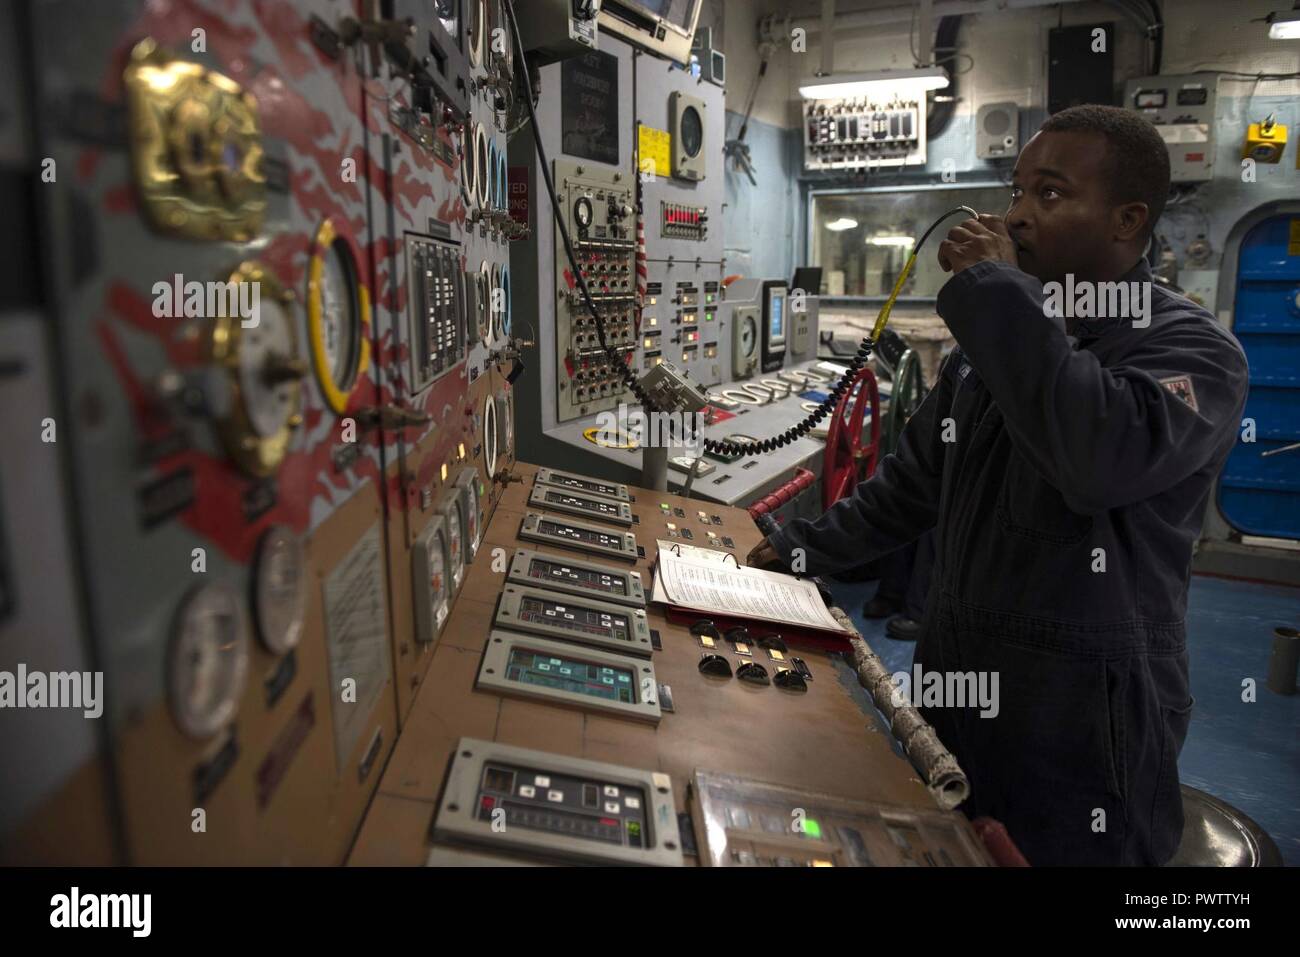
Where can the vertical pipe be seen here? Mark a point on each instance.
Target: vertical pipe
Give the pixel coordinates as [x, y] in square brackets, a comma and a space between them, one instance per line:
[828, 38]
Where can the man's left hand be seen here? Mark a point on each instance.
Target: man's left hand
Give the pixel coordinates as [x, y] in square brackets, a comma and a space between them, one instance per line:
[977, 240]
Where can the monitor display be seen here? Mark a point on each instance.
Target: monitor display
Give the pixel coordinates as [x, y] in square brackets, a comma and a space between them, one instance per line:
[571, 674]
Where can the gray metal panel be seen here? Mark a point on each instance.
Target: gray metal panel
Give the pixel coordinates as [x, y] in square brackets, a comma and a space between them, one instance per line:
[622, 544]
[655, 85]
[633, 591]
[492, 676]
[457, 818]
[509, 616]
[584, 506]
[582, 483]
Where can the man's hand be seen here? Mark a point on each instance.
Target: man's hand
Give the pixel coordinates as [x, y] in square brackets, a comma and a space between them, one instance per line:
[763, 555]
[977, 240]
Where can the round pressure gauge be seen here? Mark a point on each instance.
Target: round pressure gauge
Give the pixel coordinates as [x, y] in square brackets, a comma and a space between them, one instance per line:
[471, 513]
[279, 589]
[261, 394]
[505, 296]
[207, 660]
[338, 314]
[455, 542]
[494, 187]
[497, 305]
[582, 212]
[490, 436]
[692, 132]
[504, 418]
[503, 182]
[748, 334]
[484, 165]
[484, 312]
[477, 26]
[438, 578]
[469, 162]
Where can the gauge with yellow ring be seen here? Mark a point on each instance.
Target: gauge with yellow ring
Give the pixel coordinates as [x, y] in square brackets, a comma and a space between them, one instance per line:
[338, 316]
[259, 354]
[611, 439]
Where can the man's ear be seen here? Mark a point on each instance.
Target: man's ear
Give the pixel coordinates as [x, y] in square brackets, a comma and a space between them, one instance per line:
[1130, 221]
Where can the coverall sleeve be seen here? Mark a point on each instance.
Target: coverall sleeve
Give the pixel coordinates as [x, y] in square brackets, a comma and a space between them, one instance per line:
[898, 504]
[1104, 437]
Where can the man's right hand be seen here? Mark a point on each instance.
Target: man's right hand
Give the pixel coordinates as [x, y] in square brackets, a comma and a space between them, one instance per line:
[763, 555]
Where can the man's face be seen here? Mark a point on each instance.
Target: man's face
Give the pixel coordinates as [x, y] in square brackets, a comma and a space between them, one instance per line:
[1061, 212]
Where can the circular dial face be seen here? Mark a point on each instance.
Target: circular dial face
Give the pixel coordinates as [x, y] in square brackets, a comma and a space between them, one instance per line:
[505, 297]
[493, 186]
[484, 301]
[279, 589]
[507, 419]
[471, 515]
[484, 169]
[477, 27]
[490, 436]
[582, 212]
[503, 182]
[438, 577]
[748, 335]
[455, 543]
[340, 316]
[498, 296]
[469, 161]
[692, 132]
[207, 660]
[269, 398]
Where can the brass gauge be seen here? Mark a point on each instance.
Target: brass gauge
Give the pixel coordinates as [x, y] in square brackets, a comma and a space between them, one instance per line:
[207, 660]
[279, 589]
[259, 354]
[196, 148]
[338, 316]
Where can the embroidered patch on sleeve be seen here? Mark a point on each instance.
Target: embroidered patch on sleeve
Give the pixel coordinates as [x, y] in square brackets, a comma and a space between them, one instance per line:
[1181, 386]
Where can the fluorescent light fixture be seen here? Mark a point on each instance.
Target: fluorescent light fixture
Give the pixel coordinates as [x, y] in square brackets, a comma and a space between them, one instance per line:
[860, 84]
[841, 224]
[1283, 26]
[886, 240]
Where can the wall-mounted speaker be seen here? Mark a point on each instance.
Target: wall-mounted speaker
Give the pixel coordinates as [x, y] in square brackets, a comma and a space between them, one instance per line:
[997, 130]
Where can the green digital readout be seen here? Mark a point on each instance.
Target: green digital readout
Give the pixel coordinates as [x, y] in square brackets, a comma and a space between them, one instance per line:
[571, 674]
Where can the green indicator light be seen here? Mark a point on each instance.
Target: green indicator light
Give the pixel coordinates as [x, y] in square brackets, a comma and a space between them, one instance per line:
[708, 317]
[812, 828]
[633, 827]
[664, 506]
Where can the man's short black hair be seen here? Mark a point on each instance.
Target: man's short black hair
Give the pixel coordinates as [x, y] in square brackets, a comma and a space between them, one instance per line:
[1139, 159]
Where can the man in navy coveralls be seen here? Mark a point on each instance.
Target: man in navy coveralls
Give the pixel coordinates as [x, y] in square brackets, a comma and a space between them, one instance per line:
[1064, 459]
